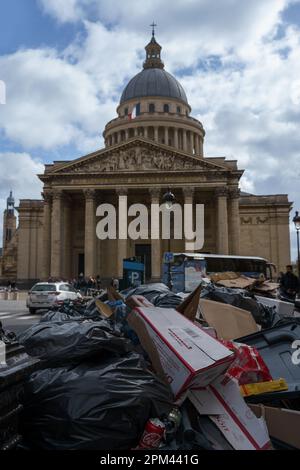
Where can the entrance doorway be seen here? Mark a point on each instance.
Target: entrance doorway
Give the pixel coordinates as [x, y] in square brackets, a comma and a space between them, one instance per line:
[80, 264]
[144, 253]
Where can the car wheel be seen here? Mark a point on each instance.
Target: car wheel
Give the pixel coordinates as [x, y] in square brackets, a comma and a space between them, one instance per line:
[32, 311]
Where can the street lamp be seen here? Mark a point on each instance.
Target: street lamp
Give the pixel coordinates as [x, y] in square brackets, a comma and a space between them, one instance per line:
[169, 199]
[296, 221]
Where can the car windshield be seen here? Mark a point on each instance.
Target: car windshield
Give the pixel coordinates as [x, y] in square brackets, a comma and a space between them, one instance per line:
[44, 288]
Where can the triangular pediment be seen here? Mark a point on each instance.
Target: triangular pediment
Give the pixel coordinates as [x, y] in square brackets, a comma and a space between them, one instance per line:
[136, 155]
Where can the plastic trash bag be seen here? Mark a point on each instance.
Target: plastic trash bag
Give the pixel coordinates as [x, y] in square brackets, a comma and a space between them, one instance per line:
[157, 293]
[59, 317]
[66, 341]
[93, 406]
[262, 314]
[248, 366]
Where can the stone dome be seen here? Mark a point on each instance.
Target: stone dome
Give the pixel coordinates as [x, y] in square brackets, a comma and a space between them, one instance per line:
[153, 82]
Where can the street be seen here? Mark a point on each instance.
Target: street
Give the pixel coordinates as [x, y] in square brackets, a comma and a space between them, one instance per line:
[15, 316]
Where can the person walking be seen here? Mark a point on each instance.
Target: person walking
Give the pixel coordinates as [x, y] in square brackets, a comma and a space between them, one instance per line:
[289, 283]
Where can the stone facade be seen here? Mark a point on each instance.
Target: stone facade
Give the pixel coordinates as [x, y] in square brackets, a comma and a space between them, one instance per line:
[162, 147]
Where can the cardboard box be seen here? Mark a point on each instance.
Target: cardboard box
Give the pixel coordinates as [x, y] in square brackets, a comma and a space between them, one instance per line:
[229, 322]
[188, 355]
[282, 424]
[225, 406]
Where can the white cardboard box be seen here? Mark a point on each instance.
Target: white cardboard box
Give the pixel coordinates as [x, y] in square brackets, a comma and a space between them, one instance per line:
[188, 355]
[226, 407]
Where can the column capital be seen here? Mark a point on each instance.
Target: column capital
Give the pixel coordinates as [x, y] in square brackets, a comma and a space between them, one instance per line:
[89, 194]
[234, 193]
[188, 191]
[221, 191]
[155, 193]
[121, 191]
[57, 194]
[47, 196]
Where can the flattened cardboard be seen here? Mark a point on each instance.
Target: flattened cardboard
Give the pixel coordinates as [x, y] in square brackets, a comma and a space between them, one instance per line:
[283, 424]
[241, 282]
[103, 309]
[225, 406]
[138, 325]
[189, 306]
[228, 321]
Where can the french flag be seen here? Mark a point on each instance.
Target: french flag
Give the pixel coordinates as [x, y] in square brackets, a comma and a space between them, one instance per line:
[133, 114]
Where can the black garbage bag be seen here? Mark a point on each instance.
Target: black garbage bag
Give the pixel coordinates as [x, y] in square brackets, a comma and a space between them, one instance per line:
[92, 406]
[69, 341]
[59, 317]
[157, 293]
[262, 314]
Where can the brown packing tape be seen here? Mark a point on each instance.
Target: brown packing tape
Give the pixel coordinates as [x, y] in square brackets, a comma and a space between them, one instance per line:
[283, 424]
[138, 325]
[189, 306]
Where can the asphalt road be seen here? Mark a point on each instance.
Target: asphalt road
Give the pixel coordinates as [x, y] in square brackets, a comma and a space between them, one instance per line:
[15, 316]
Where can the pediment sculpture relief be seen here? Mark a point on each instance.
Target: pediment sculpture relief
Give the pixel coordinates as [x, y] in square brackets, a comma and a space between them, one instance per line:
[138, 159]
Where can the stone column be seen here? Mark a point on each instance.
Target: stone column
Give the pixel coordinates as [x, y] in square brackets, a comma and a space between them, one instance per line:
[56, 229]
[222, 220]
[119, 137]
[47, 235]
[122, 243]
[234, 221]
[126, 134]
[135, 132]
[156, 134]
[176, 145]
[67, 237]
[90, 233]
[197, 147]
[146, 132]
[156, 255]
[166, 136]
[184, 140]
[188, 197]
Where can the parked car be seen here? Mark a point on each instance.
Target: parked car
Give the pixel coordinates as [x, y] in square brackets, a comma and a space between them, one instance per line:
[45, 295]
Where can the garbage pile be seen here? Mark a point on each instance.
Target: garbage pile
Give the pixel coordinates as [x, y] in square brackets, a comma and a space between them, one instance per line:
[258, 286]
[144, 369]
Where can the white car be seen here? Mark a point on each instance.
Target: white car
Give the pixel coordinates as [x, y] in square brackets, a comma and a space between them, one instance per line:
[44, 295]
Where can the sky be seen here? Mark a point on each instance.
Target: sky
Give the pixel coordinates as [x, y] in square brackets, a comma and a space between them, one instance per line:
[66, 62]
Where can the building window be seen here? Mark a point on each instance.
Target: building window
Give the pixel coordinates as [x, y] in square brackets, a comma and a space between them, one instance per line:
[126, 111]
[178, 109]
[151, 108]
[138, 109]
[166, 108]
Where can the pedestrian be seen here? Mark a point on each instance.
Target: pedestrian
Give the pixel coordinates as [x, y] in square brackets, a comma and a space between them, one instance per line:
[98, 282]
[115, 283]
[289, 283]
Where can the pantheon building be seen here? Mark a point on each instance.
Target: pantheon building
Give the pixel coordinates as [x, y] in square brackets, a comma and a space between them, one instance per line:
[161, 146]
